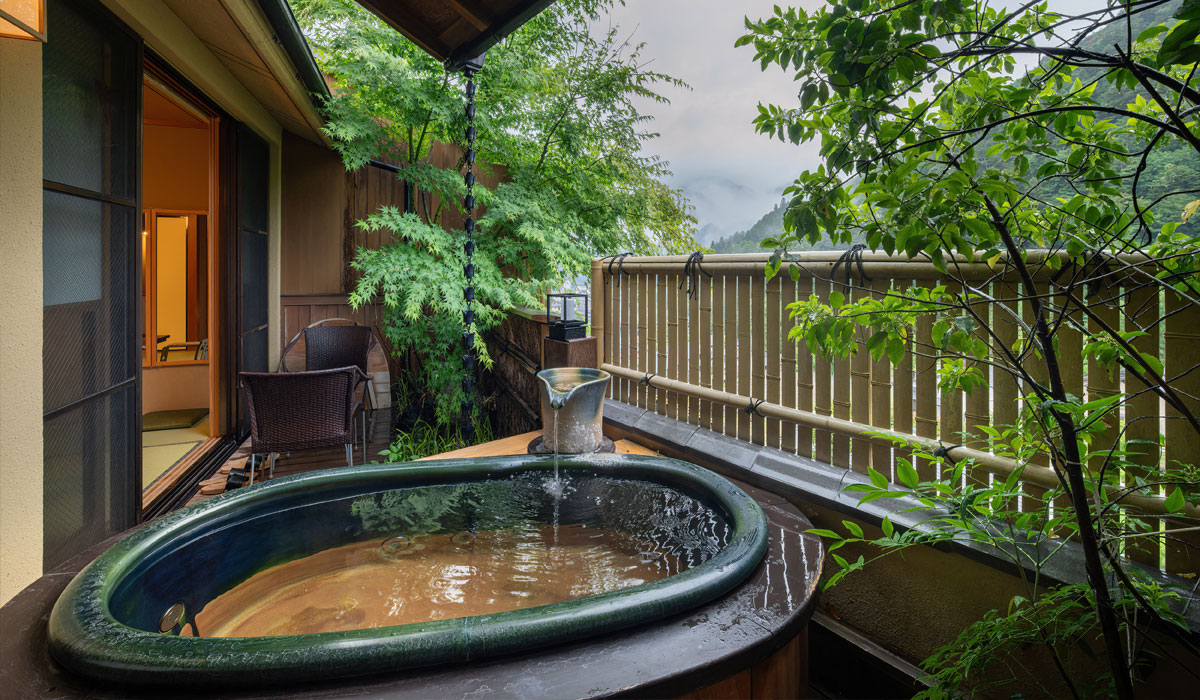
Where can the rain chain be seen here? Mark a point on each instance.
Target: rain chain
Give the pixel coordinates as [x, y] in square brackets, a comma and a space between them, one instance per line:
[468, 336]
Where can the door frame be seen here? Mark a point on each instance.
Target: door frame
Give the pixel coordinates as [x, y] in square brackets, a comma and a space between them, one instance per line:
[224, 436]
[151, 308]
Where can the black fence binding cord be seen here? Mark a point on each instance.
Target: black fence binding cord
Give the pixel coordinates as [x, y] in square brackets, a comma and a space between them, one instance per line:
[619, 261]
[646, 379]
[943, 451]
[852, 258]
[691, 273]
[751, 408]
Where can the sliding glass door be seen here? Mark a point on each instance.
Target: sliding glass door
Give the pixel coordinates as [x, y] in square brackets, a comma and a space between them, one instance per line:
[253, 215]
[92, 77]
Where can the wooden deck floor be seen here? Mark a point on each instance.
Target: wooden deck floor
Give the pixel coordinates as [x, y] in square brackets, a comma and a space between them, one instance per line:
[379, 436]
[377, 439]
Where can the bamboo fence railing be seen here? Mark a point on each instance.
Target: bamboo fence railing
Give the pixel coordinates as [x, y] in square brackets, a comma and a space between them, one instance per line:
[705, 357]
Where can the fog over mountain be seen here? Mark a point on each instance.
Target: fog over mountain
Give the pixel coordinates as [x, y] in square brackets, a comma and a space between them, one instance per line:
[731, 174]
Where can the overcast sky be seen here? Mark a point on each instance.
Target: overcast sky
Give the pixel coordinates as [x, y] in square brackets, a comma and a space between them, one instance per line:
[731, 174]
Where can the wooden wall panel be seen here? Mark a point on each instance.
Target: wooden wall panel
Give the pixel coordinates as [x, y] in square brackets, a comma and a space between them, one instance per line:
[313, 218]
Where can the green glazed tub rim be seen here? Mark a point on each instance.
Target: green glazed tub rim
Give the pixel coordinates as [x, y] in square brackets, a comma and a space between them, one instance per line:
[86, 638]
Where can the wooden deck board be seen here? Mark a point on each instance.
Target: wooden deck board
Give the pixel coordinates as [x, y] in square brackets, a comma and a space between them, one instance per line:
[377, 440]
[518, 444]
[378, 437]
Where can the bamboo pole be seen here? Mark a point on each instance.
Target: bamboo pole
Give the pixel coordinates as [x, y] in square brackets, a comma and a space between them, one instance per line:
[950, 408]
[841, 409]
[660, 334]
[804, 376]
[1070, 353]
[822, 388]
[860, 389]
[902, 394]
[977, 404]
[1006, 388]
[927, 393]
[731, 351]
[1034, 365]
[745, 354]
[628, 334]
[719, 345]
[881, 397]
[683, 409]
[675, 336]
[788, 366]
[1102, 385]
[601, 302]
[758, 361]
[1182, 337]
[702, 335]
[645, 337]
[1143, 408]
[1042, 476]
[774, 357]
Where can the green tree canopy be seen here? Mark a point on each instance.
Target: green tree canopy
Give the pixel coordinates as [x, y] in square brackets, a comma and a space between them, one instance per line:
[555, 111]
[1045, 164]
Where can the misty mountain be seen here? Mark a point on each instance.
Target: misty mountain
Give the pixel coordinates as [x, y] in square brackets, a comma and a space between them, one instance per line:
[707, 234]
[771, 224]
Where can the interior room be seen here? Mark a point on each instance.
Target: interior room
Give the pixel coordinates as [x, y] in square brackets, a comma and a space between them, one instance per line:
[177, 184]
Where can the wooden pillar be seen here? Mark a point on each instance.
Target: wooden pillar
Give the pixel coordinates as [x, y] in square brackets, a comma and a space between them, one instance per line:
[580, 352]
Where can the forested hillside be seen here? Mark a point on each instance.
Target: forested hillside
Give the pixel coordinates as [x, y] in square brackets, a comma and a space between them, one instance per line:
[1170, 168]
[769, 226]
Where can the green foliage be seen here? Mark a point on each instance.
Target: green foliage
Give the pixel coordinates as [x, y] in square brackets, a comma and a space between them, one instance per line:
[1016, 151]
[555, 116]
[425, 440]
[1028, 532]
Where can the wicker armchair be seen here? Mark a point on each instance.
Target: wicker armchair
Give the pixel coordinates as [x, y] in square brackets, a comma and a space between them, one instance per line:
[327, 347]
[293, 411]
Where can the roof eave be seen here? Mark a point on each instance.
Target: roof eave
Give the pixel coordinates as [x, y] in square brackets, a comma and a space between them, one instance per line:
[291, 38]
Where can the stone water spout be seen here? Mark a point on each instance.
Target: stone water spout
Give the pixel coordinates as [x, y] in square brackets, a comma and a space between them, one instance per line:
[576, 395]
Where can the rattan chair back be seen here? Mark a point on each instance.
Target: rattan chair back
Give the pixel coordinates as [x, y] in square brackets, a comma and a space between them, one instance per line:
[301, 410]
[327, 347]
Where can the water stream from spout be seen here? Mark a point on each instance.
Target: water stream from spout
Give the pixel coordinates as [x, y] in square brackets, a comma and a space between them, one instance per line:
[555, 487]
[557, 401]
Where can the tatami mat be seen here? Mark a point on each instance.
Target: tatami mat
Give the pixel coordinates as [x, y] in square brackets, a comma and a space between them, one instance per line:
[194, 434]
[157, 459]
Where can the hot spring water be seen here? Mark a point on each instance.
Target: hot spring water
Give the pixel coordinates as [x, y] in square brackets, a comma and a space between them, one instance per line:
[617, 534]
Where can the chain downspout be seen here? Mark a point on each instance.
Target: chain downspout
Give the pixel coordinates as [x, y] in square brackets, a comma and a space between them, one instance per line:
[467, 415]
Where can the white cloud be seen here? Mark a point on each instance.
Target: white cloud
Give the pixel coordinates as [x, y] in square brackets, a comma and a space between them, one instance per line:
[731, 174]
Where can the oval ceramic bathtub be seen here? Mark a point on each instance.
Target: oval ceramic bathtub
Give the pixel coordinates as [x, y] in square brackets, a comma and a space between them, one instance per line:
[106, 623]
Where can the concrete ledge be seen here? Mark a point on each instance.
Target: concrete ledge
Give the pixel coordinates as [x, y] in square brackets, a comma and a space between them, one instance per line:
[806, 481]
